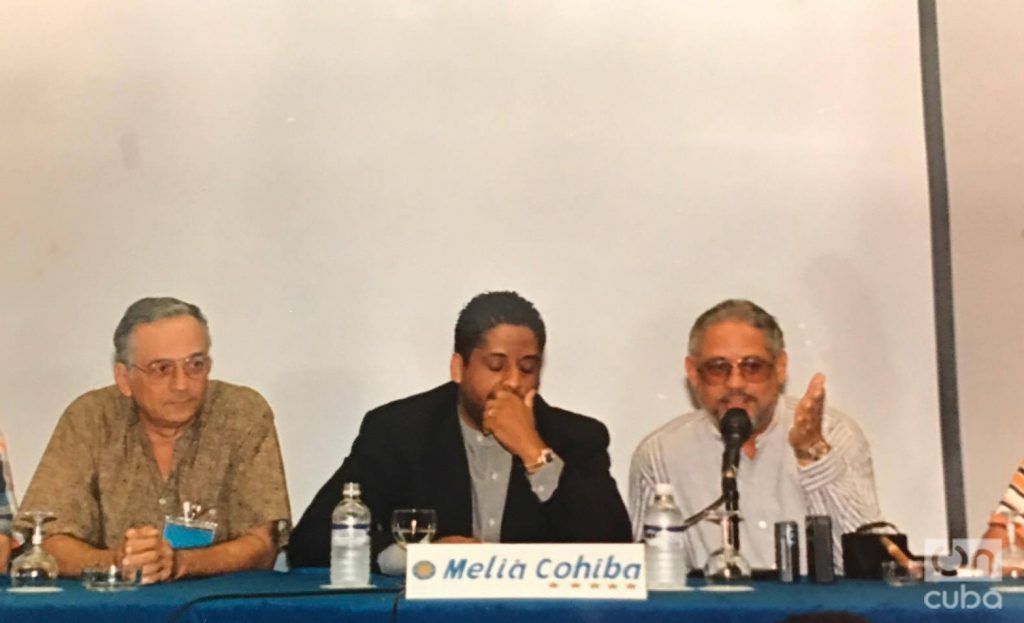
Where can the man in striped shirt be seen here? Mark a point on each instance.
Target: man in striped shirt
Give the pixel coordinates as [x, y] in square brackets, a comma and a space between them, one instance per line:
[801, 459]
[1011, 505]
[8, 505]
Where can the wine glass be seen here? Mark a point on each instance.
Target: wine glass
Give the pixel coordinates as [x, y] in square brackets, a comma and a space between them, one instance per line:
[727, 566]
[35, 571]
[413, 525]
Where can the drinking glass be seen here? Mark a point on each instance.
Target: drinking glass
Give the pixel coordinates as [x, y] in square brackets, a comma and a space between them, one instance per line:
[727, 566]
[896, 573]
[111, 579]
[413, 525]
[35, 571]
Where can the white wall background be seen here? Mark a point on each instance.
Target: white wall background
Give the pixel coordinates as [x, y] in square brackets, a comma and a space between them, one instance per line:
[980, 48]
[332, 181]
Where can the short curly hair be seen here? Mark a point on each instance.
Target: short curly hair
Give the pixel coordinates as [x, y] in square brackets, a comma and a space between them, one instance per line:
[490, 309]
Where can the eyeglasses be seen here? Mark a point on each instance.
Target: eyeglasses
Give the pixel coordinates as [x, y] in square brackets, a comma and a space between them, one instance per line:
[717, 371]
[194, 366]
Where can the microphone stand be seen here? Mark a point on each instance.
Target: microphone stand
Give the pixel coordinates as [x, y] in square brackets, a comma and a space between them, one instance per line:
[703, 513]
[727, 564]
[731, 497]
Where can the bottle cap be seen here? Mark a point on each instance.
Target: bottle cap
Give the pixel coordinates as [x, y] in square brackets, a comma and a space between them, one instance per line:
[662, 488]
[351, 489]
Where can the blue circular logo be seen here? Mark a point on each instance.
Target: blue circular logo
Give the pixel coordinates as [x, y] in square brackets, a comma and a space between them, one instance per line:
[424, 570]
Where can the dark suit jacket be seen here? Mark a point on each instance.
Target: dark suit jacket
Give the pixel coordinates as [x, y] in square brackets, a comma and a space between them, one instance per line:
[410, 454]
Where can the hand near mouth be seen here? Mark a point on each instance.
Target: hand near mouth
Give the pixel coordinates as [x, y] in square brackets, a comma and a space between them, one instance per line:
[510, 419]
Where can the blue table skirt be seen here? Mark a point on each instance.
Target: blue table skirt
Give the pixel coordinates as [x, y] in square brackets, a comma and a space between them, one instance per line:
[246, 597]
[770, 602]
[234, 597]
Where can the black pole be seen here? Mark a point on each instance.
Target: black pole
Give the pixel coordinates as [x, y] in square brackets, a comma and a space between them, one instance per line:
[942, 273]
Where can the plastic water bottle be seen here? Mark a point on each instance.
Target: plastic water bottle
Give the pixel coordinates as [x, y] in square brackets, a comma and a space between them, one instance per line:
[350, 540]
[663, 542]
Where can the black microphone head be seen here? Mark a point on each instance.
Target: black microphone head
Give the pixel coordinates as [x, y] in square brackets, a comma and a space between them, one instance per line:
[735, 426]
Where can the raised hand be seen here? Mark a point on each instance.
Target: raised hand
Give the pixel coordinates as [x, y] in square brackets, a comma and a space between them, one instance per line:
[806, 431]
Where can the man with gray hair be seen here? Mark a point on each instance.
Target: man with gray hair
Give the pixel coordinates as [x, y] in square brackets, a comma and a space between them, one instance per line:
[163, 441]
[801, 458]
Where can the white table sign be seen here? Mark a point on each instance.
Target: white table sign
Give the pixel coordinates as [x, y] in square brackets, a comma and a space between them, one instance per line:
[526, 571]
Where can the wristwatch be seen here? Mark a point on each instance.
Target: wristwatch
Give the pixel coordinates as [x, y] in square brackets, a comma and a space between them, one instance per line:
[547, 455]
[814, 452]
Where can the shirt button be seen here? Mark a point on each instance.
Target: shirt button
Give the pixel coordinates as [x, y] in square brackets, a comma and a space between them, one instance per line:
[762, 524]
[494, 475]
[161, 501]
[539, 488]
[479, 438]
[491, 522]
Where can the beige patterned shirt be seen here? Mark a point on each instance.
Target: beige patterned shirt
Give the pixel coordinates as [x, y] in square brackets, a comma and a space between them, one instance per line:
[99, 476]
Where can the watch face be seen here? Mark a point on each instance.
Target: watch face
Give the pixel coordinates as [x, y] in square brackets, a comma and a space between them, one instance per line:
[819, 449]
[815, 452]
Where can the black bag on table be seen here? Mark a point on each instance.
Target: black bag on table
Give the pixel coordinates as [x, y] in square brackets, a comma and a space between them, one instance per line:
[865, 549]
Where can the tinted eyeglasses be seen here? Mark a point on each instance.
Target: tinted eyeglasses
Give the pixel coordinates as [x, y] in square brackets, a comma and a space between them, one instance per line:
[194, 366]
[718, 370]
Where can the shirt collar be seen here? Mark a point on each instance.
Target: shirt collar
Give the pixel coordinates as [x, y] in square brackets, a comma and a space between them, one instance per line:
[473, 436]
[754, 442]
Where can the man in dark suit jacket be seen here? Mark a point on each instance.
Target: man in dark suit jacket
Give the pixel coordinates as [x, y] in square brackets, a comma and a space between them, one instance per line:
[485, 451]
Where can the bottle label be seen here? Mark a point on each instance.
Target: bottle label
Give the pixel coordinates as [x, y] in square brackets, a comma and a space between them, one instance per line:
[352, 535]
[671, 536]
[350, 526]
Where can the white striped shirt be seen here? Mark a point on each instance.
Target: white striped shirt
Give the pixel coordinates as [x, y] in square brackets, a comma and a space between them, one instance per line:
[8, 501]
[1012, 502]
[687, 453]
[1013, 499]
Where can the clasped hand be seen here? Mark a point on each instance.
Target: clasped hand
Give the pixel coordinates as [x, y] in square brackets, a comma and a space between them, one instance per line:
[146, 549]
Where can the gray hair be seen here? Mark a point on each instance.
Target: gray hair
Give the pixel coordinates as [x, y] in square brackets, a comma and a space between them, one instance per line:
[145, 311]
[738, 310]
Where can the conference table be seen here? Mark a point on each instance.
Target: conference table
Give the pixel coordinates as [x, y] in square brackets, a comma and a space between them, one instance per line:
[268, 596]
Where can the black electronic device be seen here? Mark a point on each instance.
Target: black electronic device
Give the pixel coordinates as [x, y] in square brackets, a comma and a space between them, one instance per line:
[821, 567]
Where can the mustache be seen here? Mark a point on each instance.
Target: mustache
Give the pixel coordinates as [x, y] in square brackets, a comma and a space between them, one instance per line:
[736, 394]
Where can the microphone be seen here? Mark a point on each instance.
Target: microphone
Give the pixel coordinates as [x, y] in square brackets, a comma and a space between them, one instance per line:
[735, 427]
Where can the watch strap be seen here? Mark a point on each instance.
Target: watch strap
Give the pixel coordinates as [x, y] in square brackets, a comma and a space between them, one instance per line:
[546, 457]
